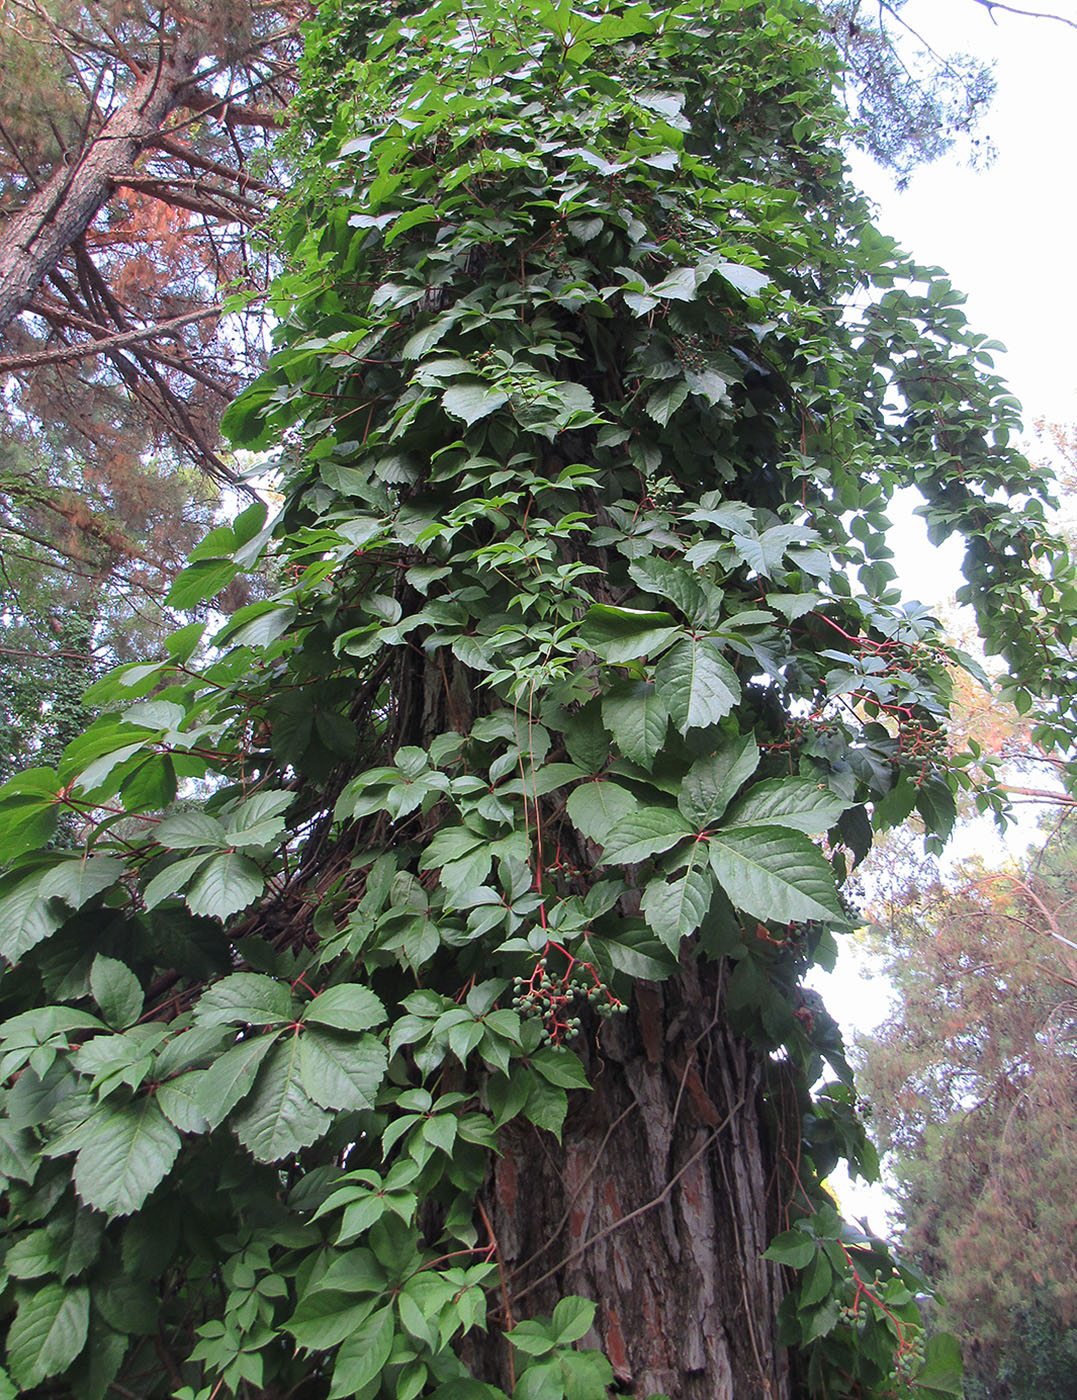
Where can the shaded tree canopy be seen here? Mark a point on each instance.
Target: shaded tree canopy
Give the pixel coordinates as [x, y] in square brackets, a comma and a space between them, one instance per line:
[421, 1010]
[973, 1086]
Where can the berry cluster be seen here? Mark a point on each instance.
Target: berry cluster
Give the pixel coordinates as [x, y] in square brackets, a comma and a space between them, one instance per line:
[554, 992]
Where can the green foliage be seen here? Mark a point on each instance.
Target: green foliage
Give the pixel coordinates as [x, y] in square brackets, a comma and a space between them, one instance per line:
[975, 1096]
[586, 629]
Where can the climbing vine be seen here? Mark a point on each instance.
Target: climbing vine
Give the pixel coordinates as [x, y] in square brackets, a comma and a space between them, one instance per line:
[586, 669]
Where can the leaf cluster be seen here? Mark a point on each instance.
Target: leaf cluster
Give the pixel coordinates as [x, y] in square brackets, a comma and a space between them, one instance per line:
[585, 663]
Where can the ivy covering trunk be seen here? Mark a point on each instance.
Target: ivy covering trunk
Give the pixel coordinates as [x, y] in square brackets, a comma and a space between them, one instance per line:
[428, 969]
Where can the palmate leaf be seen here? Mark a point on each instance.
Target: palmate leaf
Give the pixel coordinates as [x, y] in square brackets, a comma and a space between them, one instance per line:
[473, 401]
[327, 1317]
[674, 909]
[25, 918]
[623, 634]
[187, 831]
[179, 1103]
[796, 804]
[347, 1007]
[245, 999]
[231, 1078]
[340, 1072]
[278, 1117]
[774, 874]
[711, 783]
[697, 683]
[116, 990]
[126, 1150]
[77, 880]
[28, 811]
[363, 1356]
[644, 833]
[48, 1332]
[595, 808]
[225, 884]
[637, 717]
[259, 819]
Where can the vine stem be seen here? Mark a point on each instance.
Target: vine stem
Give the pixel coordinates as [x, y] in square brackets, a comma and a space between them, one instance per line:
[504, 1291]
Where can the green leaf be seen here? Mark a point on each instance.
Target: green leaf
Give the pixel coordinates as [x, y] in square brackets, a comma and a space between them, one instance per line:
[325, 1318]
[179, 1103]
[48, 1332]
[697, 684]
[362, 1357]
[675, 909]
[635, 960]
[774, 874]
[422, 215]
[127, 1150]
[189, 830]
[77, 881]
[712, 783]
[637, 719]
[561, 1067]
[624, 634]
[796, 804]
[546, 1106]
[472, 401]
[817, 1282]
[642, 834]
[245, 998]
[29, 811]
[348, 1007]
[226, 884]
[341, 1073]
[823, 1320]
[201, 581]
[794, 1248]
[278, 1118]
[257, 625]
[116, 990]
[572, 1318]
[25, 918]
[596, 807]
[942, 1368]
[707, 384]
[665, 401]
[258, 820]
[33, 1255]
[532, 1338]
[748, 280]
[172, 879]
[230, 1079]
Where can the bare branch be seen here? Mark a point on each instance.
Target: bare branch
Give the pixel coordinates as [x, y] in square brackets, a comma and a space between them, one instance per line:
[66, 353]
[992, 5]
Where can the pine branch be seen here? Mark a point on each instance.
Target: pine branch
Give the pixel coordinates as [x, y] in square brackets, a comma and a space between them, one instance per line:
[66, 353]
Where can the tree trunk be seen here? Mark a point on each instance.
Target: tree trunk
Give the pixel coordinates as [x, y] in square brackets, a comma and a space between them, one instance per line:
[659, 1205]
[33, 240]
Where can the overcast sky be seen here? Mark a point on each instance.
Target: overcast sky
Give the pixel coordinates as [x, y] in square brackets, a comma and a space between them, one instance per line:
[1007, 236]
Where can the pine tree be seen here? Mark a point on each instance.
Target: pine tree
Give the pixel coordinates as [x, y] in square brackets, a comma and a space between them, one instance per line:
[974, 1092]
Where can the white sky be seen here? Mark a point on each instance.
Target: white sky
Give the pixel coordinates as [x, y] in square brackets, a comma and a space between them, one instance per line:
[1006, 236]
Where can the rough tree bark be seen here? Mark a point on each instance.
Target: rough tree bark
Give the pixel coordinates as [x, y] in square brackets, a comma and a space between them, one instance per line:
[659, 1205]
[33, 240]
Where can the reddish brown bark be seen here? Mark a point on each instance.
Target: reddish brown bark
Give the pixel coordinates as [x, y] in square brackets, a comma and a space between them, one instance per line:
[658, 1205]
[33, 240]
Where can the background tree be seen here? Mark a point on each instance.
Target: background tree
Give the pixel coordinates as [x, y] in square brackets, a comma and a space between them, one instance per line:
[973, 1087]
[133, 169]
[85, 567]
[588, 419]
